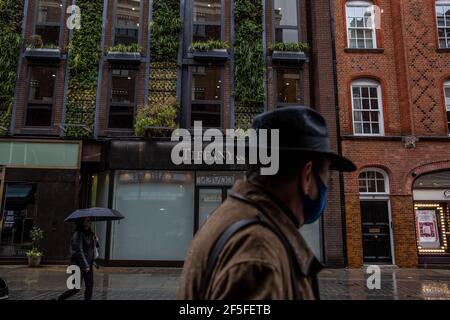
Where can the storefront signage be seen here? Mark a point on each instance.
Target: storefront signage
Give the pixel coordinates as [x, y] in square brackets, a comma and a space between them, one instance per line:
[215, 180]
[447, 193]
[427, 229]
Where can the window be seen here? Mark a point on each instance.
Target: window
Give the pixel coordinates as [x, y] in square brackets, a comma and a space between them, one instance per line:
[286, 20]
[443, 23]
[48, 21]
[206, 96]
[127, 21]
[122, 99]
[207, 20]
[367, 108]
[373, 181]
[447, 103]
[361, 25]
[40, 96]
[288, 86]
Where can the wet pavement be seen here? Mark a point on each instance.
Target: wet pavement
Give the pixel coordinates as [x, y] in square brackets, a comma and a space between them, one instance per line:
[48, 282]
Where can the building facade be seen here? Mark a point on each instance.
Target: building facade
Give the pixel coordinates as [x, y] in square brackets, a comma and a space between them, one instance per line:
[393, 79]
[87, 114]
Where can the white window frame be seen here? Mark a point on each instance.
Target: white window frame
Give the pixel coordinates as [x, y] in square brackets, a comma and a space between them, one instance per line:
[377, 195]
[368, 83]
[358, 4]
[447, 102]
[442, 3]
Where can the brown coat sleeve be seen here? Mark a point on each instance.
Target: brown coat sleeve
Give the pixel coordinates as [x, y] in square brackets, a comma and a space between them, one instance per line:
[250, 280]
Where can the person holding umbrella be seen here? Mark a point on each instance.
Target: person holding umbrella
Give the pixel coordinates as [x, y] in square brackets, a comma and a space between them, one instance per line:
[84, 245]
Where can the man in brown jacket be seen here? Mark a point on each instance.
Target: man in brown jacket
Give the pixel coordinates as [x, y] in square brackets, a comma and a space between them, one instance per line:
[250, 247]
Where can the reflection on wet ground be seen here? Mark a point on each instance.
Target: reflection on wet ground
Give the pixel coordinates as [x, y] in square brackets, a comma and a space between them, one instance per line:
[162, 283]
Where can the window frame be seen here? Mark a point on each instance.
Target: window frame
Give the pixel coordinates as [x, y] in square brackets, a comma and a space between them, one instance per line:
[387, 188]
[205, 102]
[114, 24]
[286, 26]
[441, 3]
[277, 70]
[359, 4]
[50, 24]
[108, 128]
[221, 24]
[447, 104]
[52, 118]
[368, 83]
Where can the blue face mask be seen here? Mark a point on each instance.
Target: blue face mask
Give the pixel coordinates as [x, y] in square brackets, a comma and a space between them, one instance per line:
[313, 210]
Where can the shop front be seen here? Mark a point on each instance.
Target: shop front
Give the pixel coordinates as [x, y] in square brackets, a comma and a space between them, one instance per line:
[163, 208]
[432, 213]
[38, 187]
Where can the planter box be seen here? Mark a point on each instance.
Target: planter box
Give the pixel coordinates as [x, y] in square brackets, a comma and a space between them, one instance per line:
[43, 54]
[124, 57]
[289, 57]
[216, 54]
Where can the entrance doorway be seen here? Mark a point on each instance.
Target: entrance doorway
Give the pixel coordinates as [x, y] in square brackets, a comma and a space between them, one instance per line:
[207, 200]
[376, 232]
[17, 219]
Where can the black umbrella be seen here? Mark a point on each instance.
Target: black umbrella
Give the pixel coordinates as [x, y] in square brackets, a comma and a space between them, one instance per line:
[96, 214]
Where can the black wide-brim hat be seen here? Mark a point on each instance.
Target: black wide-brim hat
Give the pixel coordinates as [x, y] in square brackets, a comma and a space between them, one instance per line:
[302, 131]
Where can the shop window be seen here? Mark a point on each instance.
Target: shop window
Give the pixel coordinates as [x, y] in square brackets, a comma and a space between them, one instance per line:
[40, 96]
[48, 21]
[288, 86]
[367, 108]
[361, 30]
[127, 21]
[159, 215]
[286, 20]
[443, 23]
[206, 96]
[373, 181]
[122, 98]
[447, 103]
[17, 219]
[207, 20]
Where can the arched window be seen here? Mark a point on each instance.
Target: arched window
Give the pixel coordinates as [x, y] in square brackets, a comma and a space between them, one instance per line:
[373, 180]
[447, 101]
[361, 30]
[367, 107]
[443, 23]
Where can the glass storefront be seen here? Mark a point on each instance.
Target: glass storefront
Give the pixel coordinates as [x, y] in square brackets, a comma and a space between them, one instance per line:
[158, 207]
[432, 214]
[163, 210]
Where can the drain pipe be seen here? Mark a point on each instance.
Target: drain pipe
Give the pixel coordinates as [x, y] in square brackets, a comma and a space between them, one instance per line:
[338, 132]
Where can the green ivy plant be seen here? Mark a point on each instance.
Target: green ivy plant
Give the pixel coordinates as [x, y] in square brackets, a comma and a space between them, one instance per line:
[157, 115]
[131, 48]
[161, 109]
[208, 45]
[290, 46]
[249, 62]
[165, 30]
[85, 52]
[11, 14]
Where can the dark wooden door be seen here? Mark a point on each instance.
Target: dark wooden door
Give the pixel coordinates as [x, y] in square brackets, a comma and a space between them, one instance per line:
[376, 233]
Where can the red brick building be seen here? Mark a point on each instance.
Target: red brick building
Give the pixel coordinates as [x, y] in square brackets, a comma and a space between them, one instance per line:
[393, 73]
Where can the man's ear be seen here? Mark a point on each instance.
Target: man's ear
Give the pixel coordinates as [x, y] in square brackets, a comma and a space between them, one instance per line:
[306, 177]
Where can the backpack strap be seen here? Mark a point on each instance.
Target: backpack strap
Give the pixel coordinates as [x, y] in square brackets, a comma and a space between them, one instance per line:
[238, 226]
